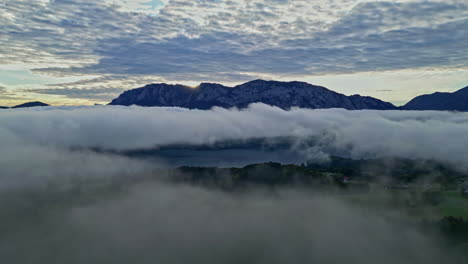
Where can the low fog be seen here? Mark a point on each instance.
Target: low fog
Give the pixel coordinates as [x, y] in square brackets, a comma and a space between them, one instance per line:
[158, 223]
[59, 203]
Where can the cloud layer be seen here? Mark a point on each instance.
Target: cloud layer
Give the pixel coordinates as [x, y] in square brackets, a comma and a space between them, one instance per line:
[60, 204]
[170, 224]
[416, 135]
[232, 40]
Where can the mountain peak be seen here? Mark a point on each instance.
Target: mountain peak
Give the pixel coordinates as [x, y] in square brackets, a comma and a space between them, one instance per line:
[272, 82]
[210, 85]
[257, 81]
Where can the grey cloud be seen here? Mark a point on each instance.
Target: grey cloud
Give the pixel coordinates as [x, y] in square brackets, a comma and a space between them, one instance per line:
[176, 57]
[102, 79]
[97, 93]
[373, 36]
[7, 94]
[169, 224]
[8, 97]
[103, 88]
[63, 31]
[70, 201]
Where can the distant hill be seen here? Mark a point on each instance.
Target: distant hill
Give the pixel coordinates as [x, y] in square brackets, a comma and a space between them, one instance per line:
[280, 94]
[30, 104]
[457, 101]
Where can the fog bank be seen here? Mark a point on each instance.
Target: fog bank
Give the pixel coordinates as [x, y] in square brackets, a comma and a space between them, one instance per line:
[315, 133]
[159, 223]
[59, 202]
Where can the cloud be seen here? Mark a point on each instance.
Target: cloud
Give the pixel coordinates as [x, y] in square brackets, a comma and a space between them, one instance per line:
[146, 6]
[104, 88]
[229, 42]
[416, 135]
[170, 224]
[239, 39]
[7, 94]
[97, 94]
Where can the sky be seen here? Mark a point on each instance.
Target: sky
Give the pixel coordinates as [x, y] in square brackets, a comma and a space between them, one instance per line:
[69, 52]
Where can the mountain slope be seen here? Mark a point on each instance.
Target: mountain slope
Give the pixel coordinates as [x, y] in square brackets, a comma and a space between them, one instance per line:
[281, 94]
[457, 101]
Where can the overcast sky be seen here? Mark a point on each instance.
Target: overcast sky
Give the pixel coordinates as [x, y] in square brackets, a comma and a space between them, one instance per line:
[87, 51]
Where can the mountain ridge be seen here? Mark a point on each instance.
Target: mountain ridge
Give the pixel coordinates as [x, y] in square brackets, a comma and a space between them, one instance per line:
[28, 104]
[456, 101]
[281, 94]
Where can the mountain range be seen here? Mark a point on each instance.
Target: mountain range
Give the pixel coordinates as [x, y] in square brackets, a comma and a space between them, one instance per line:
[281, 94]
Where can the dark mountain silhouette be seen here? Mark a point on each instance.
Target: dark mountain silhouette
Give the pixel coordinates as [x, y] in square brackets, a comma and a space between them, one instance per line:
[30, 104]
[281, 94]
[457, 101]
